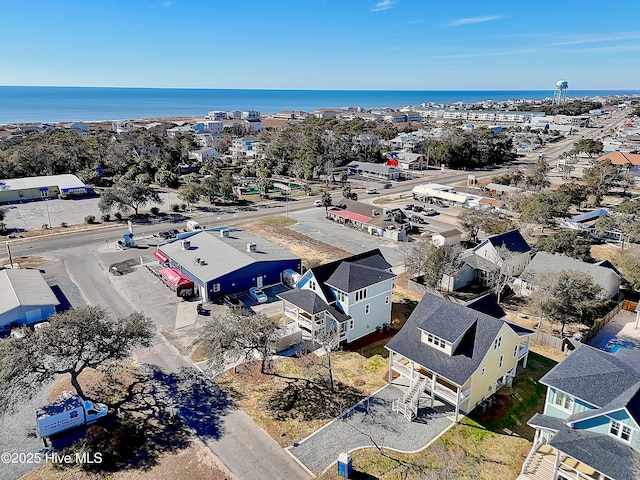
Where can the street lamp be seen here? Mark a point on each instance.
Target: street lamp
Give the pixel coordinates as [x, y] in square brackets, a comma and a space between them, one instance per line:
[46, 202]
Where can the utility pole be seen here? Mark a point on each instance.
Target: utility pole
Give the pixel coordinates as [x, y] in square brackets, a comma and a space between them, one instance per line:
[10, 257]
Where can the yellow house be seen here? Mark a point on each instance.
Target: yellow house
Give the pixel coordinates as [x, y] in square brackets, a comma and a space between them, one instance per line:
[455, 353]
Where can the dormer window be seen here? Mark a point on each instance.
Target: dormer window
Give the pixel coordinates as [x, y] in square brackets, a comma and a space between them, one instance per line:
[620, 430]
[435, 341]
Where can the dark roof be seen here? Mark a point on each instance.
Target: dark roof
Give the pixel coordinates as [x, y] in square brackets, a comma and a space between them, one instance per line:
[479, 263]
[449, 321]
[601, 452]
[592, 375]
[486, 304]
[512, 240]
[545, 421]
[372, 258]
[350, 277]
[305, 299]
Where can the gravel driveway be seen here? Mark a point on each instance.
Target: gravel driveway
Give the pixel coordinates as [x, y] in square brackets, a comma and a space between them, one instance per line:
[372, 421]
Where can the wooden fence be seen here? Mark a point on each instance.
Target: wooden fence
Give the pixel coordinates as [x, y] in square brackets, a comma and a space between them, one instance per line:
[548, 340]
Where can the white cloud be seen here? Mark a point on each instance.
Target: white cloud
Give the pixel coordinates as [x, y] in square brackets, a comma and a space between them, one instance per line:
[467, 21]
[383, 5]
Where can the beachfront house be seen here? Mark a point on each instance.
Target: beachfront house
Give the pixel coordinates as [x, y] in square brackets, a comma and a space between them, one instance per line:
[352, 296]
[456, 354]
[590, 426]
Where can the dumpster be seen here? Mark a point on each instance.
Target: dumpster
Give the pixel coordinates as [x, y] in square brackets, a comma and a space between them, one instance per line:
[344, 465]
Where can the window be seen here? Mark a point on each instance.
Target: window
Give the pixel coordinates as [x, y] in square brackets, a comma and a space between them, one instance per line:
[386, 300]
[497, 343]
[563, 401]
[361, 294]
[312, 284]
[501, 361]
[340, 296]
[367, 308]
[515, 351]
[216, 287]
[620, 430]
[437, 341]
[351, 324]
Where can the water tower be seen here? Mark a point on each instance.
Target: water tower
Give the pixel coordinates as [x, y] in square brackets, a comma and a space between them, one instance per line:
[560, 92]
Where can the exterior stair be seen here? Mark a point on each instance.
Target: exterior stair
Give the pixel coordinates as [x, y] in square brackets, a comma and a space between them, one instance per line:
[408, 403]
[538, 467]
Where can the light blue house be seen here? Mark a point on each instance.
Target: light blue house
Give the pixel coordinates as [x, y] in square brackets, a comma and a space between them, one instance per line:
[352, 295]
[590, 427]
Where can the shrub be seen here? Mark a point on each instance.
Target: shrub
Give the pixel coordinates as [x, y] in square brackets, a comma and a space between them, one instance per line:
[183, 207]
[118, 216]
[154, 210]
[90, 219]
[45, 226]
[106, 217]
[64, 224]
[175, 207]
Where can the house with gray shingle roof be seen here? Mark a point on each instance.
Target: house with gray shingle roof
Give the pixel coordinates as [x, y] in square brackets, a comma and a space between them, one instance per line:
[455, 353]
[590, 426]
[352, 295]
[545, 263]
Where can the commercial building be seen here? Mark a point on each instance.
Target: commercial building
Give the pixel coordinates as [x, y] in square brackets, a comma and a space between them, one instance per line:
[25, 298]
[15, 190]
[227, 261]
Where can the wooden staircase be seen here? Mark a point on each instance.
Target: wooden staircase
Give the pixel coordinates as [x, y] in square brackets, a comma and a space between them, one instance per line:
[408, 403]
[538, 467]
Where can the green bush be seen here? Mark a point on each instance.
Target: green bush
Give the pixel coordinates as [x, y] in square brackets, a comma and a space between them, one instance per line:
[154, 210]
[64, 224]
[90, 219]
[106, 217]
[183, 206]
[118, 216]
[175, 207]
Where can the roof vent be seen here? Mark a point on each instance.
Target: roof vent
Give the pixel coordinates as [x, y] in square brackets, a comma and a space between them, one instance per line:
[224, 232]
[252, 247]
[186, 244]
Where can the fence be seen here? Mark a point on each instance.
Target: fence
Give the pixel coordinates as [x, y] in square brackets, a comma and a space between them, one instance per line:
[548, 340]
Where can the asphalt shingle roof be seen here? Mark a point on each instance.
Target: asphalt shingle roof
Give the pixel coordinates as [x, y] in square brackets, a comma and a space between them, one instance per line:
[305, 299]
[449, 321]
[350, 277]
[512, 240]
[592, 375]
[601, 452]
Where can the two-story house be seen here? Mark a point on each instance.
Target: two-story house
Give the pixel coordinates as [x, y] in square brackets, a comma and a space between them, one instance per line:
[590, 427]
[455, 353]
[352, 295]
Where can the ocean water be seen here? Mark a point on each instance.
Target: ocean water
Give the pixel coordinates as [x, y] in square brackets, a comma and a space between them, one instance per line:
[62, 104]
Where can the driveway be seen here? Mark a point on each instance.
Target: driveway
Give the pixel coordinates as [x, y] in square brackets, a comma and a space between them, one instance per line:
[372, 420]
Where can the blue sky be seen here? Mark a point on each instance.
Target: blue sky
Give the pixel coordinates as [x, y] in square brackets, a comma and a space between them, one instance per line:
[321, 44]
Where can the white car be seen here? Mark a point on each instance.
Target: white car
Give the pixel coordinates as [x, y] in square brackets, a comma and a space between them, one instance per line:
[371, 190]
[258, 295]
[318, 203]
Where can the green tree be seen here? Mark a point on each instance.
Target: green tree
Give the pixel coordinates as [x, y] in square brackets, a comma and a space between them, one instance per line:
[326, 200]
[165, 178]
[226, 187]
[128, 194]
[209, 188]
[587, 145]
[575, 298]
[545, 208]
[348, 193]
[432, 263]
[623, 218]
[190, 194]
[569, 243]
[574, 193]
[536, 177]
[601, 177]
[238, 336]
[76, 340]
[264, 182]
[630, 266]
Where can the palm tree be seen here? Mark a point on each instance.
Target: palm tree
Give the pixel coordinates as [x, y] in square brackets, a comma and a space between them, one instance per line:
[327, 201]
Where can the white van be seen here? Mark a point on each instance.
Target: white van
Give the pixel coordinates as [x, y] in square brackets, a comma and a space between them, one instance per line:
[192, 226]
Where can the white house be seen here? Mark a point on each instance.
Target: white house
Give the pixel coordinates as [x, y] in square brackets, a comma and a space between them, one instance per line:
[243, 147]
[253, 124]
[448, 237]
[204, 154]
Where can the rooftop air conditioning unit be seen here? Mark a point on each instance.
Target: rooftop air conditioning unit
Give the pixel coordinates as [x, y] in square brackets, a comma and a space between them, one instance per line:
[252, 247]
[224, 232]
[186, 244]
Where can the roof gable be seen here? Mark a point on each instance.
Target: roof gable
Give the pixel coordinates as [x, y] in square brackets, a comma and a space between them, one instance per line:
[350, 277]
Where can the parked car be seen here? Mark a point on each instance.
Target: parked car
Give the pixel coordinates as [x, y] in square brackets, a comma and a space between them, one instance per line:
[201, 310]
[409, 207]
[258, 295]
[387, 185]
[418, 208]
[317, 203]
[430, 212]
[371, 190]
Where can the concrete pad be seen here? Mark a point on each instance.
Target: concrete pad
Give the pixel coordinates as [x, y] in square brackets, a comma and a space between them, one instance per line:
[186, 314]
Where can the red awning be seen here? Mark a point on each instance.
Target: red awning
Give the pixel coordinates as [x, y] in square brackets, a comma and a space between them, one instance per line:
[174, 277]
[160, 256]
[351, 216]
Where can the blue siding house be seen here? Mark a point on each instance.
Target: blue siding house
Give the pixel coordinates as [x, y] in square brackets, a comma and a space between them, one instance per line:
[352, 295]
[25, 298]
[590, 427]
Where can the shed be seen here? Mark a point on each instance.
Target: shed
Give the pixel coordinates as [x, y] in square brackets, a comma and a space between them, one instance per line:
[448, 237]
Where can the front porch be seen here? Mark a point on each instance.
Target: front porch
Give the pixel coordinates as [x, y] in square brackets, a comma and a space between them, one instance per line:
[422, 380]
[546, 463]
